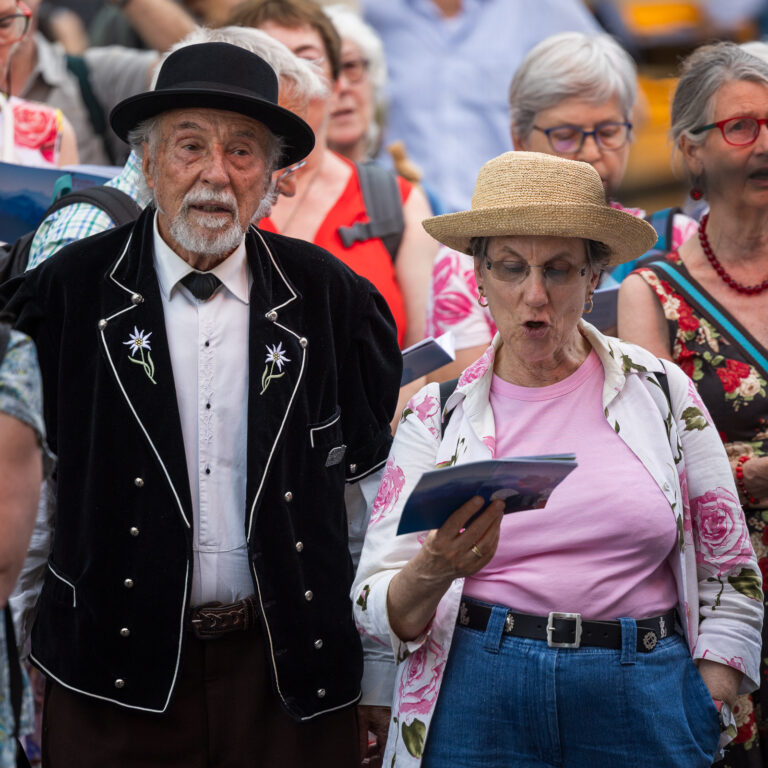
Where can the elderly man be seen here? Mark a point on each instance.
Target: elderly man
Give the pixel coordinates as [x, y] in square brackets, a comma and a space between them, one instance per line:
[209, 390]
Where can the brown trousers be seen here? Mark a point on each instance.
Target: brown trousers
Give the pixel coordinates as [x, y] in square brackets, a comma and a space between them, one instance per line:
[223, 714]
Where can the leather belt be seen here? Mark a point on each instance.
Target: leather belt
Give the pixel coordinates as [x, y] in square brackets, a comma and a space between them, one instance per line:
[211, 620]
[568, 630]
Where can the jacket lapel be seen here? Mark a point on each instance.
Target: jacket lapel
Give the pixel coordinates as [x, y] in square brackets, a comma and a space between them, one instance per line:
[135, 345]
[277, 352]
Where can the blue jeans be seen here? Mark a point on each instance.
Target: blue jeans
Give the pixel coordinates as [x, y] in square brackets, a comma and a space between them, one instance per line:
[510, 701]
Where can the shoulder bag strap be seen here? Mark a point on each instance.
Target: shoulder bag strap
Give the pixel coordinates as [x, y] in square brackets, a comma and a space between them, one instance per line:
[447, 388]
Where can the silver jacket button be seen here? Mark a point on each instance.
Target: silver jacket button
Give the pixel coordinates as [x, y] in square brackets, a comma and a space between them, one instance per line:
[134, 531]
[303, 342]
[299, 546]
[321, 693]
[137, 298]
[119, 683]
[125, 632]
[288, 496]
[272, 315]
[102, 324]
[353, 467]
[318, 644]
[308, 595]
[138, 482]
[128, 583]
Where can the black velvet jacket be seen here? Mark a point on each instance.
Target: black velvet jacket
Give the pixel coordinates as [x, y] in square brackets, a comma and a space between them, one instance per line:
[121, 555]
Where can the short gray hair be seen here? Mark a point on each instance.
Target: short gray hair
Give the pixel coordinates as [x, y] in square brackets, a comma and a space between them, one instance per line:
[704, 72]
[598, 254]
[566, 66]
[351, 26]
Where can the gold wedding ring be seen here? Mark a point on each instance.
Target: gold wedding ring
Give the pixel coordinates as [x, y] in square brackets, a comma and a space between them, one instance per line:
[476, 551]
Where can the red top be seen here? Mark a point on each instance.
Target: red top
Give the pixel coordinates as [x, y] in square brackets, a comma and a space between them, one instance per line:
[368, 258]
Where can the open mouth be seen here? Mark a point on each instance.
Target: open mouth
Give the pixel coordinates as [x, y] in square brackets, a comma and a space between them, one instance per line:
[211, 208]
[761, 174]
[534, 324]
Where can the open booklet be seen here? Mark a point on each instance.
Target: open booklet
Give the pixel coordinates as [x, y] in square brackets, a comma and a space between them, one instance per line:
[426, 356]
[524, 482]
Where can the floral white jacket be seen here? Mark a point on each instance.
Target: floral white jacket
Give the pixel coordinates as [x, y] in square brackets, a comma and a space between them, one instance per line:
[718, 582]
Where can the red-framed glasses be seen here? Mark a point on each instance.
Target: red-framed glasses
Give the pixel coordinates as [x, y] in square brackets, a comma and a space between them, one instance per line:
[737, 131]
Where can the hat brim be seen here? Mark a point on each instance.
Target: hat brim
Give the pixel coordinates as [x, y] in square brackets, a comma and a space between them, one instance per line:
[627, 236]
[298, 137]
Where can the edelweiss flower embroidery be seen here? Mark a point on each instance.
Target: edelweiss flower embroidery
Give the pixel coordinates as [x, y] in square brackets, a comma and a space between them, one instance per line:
[275, 357]
[138, 341]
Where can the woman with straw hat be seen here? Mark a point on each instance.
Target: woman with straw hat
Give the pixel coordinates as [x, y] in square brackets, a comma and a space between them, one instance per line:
[565, 635]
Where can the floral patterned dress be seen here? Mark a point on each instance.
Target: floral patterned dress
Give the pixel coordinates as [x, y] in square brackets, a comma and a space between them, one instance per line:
[734, 391]
[37, 130]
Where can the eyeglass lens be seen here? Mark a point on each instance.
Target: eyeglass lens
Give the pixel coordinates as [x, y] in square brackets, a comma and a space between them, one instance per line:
[567, 139]
[516, 271]
[354, 69]
[740, 130]
[13, 28]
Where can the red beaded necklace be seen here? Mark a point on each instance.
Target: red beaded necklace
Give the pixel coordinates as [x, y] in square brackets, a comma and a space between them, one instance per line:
[718, 267]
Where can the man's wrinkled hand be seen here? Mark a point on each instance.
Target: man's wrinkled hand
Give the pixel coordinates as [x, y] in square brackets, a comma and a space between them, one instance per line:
[375, 720]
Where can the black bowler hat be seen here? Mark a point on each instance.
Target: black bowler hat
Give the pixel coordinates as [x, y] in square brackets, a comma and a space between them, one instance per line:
[218, 76]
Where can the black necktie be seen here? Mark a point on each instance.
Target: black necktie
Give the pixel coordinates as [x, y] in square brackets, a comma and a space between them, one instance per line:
[202, 285]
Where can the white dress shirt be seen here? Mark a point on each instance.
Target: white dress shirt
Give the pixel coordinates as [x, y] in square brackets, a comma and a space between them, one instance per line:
[208, 345]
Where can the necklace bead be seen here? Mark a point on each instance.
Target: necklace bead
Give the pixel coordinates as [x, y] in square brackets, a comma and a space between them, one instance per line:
[748, 290]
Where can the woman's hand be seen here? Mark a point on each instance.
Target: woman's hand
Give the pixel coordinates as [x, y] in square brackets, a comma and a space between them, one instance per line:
[756, 480]
[452, 551]
[721, 680]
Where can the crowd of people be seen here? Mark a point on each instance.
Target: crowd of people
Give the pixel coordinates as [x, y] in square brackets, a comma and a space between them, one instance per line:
[207, 451]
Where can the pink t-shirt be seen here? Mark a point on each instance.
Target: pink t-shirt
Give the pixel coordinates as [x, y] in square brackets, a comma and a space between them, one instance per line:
[601, 546]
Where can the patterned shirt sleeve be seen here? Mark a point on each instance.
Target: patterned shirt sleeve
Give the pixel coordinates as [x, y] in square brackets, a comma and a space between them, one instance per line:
[74, 222]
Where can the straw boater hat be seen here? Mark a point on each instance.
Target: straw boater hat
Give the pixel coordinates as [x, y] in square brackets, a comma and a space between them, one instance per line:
[529, 193]
[218, 76]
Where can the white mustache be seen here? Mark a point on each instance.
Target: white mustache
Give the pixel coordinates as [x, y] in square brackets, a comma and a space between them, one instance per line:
[224, 199]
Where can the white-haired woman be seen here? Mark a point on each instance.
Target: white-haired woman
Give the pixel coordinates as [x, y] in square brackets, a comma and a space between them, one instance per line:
[705, 305]
[565, 635]
[572, 96]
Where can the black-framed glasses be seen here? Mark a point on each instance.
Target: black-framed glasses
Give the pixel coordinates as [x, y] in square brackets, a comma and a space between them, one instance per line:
[739, 131]
[355, 69]
[510, 270]
[14, 27]
[569, 139]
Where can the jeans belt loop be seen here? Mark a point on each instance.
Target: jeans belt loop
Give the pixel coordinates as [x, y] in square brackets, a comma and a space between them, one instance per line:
[628, 641]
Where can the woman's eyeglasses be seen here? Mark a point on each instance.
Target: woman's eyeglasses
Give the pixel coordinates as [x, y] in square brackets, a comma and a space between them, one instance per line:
[737, 131]
[354, 69]
[517, 270]
[569, 139]
[14, 27]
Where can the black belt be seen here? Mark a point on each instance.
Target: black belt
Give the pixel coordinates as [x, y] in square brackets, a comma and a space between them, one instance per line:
[568, 630]
[214, 619]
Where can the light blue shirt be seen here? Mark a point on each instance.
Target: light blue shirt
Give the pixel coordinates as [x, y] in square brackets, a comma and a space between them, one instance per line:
[449, 79]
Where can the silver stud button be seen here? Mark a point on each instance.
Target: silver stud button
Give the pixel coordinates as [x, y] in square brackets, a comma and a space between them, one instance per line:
[138, 482]
[353, 467]
[299, 546]
[272, 315]
[137, 298]
[318, 644]
[288, 496]
[128, 583]
[119, 683]
[303, 342]
[125, 632]
[102, 324]
[321, 693]
[134, 531]
[308, 595]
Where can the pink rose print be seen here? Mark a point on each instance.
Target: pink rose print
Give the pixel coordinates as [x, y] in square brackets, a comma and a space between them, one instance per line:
[737, 662]
[35, 126]
[392, 483]
[723, 536]
[478, 368]
[429, 406]
[490, 443]
[421, 679]
[683, 479]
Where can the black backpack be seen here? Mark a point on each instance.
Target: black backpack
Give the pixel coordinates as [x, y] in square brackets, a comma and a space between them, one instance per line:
[119, 206]
[384, 206]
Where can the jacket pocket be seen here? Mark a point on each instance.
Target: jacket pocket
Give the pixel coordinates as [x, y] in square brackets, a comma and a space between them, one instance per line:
[62, 590]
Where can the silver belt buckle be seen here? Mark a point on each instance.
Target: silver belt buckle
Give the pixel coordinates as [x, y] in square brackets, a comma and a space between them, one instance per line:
[551, 628]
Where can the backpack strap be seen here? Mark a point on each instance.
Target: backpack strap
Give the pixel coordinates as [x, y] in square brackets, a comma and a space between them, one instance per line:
[78, 66]
[384, 206]
[119, 206]
[447, 388]
[663, 221]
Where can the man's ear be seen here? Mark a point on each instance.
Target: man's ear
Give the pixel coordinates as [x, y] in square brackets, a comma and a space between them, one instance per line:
[147, 165]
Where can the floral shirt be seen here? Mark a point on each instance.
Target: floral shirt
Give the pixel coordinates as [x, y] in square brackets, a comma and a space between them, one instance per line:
[20, 397]
[36, 132]
[453, 292]
[716, 575]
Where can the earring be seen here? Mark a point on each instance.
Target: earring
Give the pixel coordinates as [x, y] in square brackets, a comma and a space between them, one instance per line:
[696, 193]
[480, 297]
[590, 305]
